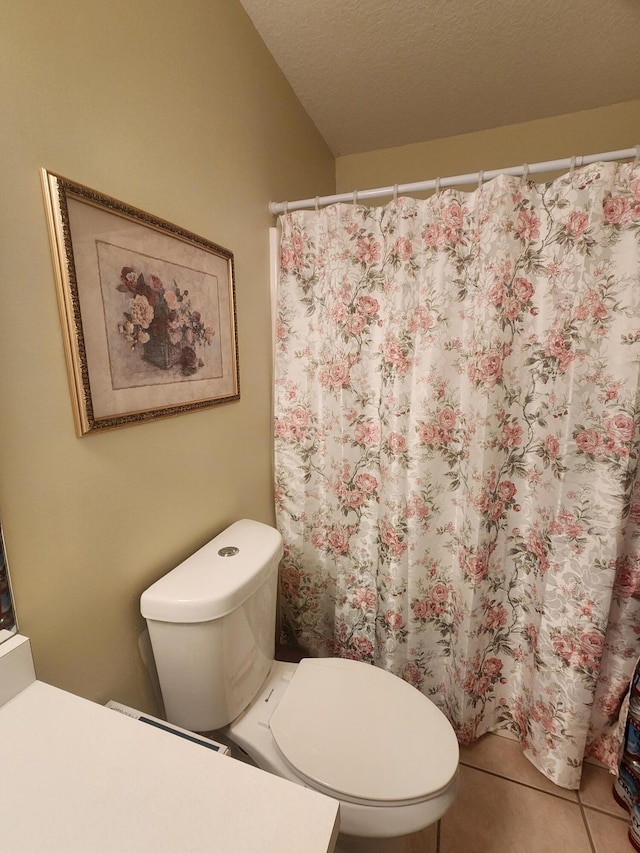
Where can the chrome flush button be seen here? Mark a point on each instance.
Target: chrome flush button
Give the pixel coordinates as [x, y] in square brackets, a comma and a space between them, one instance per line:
[229, 551]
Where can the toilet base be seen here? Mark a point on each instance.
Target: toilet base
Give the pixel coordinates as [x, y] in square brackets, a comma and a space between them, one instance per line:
[426, 839]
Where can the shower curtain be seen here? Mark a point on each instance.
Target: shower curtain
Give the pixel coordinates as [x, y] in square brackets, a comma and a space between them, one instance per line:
[456, 440]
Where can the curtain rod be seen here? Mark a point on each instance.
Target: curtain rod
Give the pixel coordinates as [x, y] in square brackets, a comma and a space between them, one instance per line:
[276, 207]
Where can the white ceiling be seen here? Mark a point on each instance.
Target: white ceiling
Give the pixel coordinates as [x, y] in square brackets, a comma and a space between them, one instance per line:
[380, 73]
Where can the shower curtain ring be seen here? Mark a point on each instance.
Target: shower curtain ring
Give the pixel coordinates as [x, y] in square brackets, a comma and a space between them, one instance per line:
[285, 207]
[317, 203]
[572, 168]
[437, 186]
[525, 172]
[637, 160]
[395, 194]
[480, 178]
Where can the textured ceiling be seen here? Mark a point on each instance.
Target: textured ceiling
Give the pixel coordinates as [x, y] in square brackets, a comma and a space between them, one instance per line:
[379, 73]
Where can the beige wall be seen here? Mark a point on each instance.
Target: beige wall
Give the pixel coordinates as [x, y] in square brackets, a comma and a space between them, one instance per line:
[178, 109]
[589, 132]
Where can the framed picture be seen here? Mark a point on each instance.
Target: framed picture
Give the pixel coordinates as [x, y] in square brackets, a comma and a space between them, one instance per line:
[147, 310]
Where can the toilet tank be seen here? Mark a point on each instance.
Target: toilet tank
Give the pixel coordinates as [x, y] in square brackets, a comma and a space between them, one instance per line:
[212, 626]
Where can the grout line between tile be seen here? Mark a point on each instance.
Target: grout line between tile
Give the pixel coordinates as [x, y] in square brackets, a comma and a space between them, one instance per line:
[586, 825]
[600, 809]
[523, 784]
[604, 812]
[578, 802]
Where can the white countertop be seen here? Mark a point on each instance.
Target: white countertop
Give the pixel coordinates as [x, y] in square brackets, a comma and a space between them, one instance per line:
[80, 778]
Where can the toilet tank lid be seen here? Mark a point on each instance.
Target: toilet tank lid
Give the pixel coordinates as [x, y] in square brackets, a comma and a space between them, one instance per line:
[217, 578]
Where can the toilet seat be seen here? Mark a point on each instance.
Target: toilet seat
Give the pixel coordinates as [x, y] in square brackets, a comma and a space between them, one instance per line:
[399, 749]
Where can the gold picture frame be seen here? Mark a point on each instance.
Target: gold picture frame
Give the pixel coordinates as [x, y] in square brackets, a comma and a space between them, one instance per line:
[147, 311]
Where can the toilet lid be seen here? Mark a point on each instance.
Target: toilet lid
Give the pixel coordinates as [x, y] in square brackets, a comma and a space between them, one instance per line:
[363, 734]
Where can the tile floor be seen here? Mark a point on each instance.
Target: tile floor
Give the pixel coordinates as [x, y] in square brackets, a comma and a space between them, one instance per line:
[505, 805]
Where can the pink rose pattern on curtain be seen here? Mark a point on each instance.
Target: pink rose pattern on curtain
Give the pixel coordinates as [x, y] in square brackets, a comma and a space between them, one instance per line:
[457, 446]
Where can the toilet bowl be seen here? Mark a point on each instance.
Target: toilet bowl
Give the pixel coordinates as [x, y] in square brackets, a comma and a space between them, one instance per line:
[344, 728]
[359, 735]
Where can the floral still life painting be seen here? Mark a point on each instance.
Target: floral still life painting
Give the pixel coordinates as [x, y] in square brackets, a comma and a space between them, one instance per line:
[162, 319]
[147, 310]
[161, 322]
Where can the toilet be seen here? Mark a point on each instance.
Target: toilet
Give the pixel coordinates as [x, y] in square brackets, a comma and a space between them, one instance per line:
[341, 727]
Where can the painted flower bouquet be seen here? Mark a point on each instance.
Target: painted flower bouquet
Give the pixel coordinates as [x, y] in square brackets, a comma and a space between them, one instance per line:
[161, 320]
